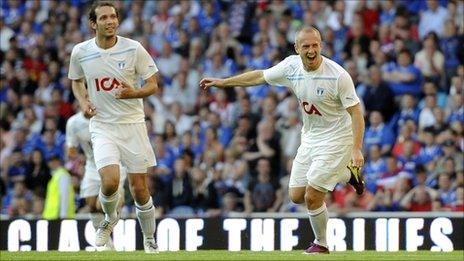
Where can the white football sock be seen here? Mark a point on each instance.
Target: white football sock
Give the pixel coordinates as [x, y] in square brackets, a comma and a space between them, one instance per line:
[96, 219]
[146, 216]
[318, 219]
[109, 205]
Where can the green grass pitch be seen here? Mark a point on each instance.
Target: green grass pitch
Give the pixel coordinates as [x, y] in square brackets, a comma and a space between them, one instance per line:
[226, 255]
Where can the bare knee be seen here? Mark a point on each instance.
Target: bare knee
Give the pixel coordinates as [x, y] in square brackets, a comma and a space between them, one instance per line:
[313, 198]
[297, 195]
[109, 186]
[109, 179]
[141, 195]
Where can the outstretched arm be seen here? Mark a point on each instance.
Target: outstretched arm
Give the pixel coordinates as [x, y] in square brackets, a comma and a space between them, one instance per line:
[242, 80]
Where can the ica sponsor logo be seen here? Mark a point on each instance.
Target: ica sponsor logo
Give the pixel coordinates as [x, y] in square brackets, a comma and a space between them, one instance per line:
[106, 84]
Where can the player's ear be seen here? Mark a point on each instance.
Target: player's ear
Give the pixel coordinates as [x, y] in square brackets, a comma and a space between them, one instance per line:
[93, 25]
[296, 48]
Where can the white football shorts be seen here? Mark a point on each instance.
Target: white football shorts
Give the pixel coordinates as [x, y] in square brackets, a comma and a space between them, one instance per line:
[90, 184]
[115, 143]
[321, 167]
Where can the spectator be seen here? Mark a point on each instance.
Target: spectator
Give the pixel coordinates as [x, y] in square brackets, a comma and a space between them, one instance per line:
[171, 138]
[205, 197]
[446, 194]
[6, 33]
[165, 160]
[430, 88]
[357, 35]
[262, 195]
[458, 203]
[17, 170]
[182, 121]
[403, 76]
[426, 116]
[223, 129]
[408, 111]
[230, 204]
[38, 174]
[430, 151]
[388, 179]
[378, 133]
[407, 133]
[265, 145]
[449, 44]
[456, 108]
[235, 172]
[208, 17]
[402, 187]
[450, 151]
[409, 158]
[388, 12]
[179, 191]
[430, 60]
[378, 95]
[212, 144]
[374, 168]
[168, 62]
[27, 38]
[221, 106]
[432, 19]
[59, 199]
[21, 205]
[382, 201]
[354, 202]
[418, 199]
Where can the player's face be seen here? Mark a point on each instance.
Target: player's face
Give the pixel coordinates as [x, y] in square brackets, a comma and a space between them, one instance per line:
[309, 48]
[107, 21]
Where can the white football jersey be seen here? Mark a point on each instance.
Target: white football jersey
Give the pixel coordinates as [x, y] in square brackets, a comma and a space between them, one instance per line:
[104, 70]
[78, 134]
[323, 94]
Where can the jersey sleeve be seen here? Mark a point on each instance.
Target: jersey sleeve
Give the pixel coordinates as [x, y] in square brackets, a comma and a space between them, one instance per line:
[144, 66]
[75, 70]
[277, 75]
[71, 137]
[346, 91]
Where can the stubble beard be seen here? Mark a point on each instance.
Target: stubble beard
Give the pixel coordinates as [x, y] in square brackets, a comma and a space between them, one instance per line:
[312, 65]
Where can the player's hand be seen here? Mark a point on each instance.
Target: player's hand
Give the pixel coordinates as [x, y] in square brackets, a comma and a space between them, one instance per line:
[125, 91]
[88, 109]
[206, 83]
[357, 158]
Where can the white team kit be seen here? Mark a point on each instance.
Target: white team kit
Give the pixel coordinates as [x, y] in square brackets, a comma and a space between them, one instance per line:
[118, 130]
[78, 135]
[327, 137]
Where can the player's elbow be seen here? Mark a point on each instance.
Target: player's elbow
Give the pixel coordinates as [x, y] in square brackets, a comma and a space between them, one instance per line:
[153, 88]
[259, 77]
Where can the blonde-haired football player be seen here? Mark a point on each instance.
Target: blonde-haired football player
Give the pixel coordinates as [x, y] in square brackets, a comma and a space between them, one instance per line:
[333, 126]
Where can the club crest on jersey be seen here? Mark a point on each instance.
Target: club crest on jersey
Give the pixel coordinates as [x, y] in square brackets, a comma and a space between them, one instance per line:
[121, 65]
[320, 91]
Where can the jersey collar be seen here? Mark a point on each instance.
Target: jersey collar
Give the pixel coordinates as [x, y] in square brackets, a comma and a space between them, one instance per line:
[317, 71]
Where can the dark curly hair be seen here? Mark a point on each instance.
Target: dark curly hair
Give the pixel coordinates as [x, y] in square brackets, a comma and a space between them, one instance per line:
[97, 4]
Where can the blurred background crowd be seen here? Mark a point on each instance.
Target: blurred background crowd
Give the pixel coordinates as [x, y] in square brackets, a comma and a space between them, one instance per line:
[221, 152]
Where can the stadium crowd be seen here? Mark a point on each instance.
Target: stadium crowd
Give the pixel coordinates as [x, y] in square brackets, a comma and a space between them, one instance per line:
[226, 151]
